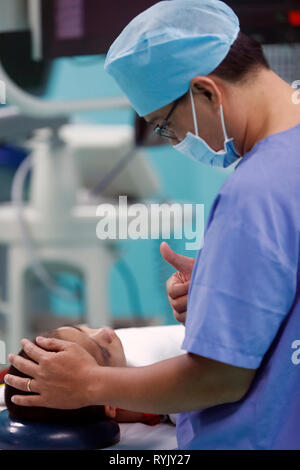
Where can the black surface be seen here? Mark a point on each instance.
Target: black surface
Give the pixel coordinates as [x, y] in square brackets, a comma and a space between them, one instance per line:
[17, 435]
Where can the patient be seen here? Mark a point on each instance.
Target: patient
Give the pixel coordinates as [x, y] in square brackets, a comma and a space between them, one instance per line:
[106, 347]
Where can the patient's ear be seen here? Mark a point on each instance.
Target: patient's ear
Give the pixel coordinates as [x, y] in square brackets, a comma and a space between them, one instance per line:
[110, 411]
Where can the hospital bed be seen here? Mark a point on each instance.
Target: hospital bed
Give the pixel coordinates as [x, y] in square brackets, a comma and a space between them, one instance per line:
[144, 346]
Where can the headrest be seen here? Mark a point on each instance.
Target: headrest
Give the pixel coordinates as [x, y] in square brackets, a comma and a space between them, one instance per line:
[21, 435]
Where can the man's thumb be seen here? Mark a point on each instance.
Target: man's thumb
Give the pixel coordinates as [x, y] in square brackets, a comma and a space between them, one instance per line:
[184, 264]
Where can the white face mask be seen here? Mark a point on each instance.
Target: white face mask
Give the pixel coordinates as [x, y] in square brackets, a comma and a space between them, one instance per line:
[197, 149]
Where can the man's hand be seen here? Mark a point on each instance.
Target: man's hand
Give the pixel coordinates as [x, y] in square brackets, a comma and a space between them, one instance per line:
[61, 378]
[70, 378]
[178, 284]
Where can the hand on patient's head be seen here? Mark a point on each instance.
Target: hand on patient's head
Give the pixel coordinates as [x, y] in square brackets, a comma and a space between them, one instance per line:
[85, 414]
[102, 343]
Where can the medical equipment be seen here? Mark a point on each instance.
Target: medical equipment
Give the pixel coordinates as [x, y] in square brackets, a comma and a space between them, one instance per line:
[25, 75]
[60, 232]
[53, 229]
[269, 22]
[90, 29]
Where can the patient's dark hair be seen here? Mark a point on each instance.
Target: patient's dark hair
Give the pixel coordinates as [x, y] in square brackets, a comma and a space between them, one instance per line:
[50, 415]
[245, 55]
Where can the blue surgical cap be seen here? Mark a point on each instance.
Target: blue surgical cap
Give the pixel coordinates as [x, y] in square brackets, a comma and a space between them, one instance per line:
[158, 53]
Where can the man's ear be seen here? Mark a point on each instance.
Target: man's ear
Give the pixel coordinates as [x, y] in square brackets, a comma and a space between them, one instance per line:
[110, 411]
[209, 88]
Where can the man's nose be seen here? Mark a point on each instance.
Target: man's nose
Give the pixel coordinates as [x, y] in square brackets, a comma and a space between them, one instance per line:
[107, 334]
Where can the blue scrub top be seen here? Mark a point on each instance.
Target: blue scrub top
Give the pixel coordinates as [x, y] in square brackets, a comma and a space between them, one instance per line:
[244, 301]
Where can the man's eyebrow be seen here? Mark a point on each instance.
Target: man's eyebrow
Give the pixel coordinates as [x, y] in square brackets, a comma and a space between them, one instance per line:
[105, 353]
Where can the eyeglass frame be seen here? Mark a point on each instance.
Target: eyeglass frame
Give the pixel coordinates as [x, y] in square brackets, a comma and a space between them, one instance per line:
[159, 129]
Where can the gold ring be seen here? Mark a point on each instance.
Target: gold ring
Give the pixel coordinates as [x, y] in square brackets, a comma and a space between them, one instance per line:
[28, 386]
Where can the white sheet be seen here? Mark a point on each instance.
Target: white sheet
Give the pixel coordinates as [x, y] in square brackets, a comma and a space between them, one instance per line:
[144, 346]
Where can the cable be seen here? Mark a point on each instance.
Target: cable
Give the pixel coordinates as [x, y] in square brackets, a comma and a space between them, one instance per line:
[114, 172]
[37, 267]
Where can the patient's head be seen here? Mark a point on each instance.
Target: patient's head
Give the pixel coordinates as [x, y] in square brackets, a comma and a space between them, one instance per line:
[104, 345]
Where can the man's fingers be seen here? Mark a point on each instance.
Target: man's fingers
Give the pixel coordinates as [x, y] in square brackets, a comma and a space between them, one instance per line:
[23, 365]
[53, 344]
[180, 304]
[182, 263]
[178, 290]
[180, 317]
[34, 352]
[176, 278]
[28, 400]
[21, 383]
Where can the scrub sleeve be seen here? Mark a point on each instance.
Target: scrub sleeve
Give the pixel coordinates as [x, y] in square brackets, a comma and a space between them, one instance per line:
[242, 284]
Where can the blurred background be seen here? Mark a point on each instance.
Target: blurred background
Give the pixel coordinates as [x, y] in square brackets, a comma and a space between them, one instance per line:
[66, 146]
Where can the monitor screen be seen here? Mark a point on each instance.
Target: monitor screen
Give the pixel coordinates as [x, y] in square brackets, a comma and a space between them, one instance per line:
[269, 21]
[16, 58]
[81, 27]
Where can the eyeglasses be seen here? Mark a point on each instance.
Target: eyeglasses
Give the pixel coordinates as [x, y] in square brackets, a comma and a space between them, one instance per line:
[162, 130]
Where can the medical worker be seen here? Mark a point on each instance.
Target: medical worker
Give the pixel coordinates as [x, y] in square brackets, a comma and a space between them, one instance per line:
[189, 71]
